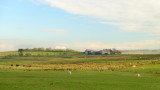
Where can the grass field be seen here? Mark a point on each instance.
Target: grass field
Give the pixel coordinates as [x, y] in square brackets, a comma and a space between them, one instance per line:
[79, 80]
[89, 72]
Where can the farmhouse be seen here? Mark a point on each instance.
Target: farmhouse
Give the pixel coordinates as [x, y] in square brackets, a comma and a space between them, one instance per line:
[88, 51]
[102, 52]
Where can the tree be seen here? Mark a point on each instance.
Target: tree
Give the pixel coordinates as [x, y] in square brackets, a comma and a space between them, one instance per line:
[20, 52]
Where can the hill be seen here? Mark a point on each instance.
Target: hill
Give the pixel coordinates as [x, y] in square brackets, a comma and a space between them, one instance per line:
[41, 53]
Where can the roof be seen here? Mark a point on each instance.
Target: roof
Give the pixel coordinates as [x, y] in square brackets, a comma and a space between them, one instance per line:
[88, 50]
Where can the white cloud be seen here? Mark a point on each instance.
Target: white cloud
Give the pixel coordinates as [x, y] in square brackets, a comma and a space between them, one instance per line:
[59, 31]
[10, 45]
[147, 44]
[61, 47]
[127, 15]
[6, 47]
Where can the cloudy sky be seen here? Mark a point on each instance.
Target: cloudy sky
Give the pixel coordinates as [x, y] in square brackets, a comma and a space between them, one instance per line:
[80, 24]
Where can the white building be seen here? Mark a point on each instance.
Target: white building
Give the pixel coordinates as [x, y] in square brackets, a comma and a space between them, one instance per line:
[88, 51]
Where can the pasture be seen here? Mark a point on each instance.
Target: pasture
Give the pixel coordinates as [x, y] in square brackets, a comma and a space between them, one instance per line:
[79, 80]
[89, 72]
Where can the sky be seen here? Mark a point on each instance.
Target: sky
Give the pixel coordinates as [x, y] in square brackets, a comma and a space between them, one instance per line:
[79, 24]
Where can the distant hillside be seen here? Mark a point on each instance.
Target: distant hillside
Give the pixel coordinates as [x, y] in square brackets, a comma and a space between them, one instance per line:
[41, 53]
[140, 51]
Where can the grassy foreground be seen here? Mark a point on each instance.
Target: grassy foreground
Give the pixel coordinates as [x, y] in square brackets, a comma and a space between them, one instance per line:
[79, 80]
[89, 72]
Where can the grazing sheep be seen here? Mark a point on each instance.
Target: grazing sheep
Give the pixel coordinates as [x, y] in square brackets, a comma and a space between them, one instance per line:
[69, 72]
[138, 75]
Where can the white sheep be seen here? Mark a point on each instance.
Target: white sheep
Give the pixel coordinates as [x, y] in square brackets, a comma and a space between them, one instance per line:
[69, 72]
[138, 75]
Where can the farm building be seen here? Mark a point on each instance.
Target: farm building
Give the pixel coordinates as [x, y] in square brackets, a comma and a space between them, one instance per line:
[88, 51]
[102, 52]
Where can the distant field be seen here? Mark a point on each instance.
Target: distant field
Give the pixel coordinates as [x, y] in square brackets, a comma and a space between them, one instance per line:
[141, 52]
[41, 71]
[77, 62]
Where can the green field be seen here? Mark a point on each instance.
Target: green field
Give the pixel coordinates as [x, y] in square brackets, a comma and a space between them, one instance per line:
[89, 72]
[79, 80]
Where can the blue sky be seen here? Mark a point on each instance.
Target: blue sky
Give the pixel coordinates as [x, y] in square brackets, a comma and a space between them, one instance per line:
[78, 24]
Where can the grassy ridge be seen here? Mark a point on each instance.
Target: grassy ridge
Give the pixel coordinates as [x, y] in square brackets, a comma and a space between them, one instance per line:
[41, 53]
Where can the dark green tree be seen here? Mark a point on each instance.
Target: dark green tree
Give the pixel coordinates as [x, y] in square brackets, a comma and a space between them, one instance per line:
[20, 52]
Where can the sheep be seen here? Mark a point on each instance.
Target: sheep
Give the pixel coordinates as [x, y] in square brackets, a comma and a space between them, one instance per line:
[138, 75]
[69, 72]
